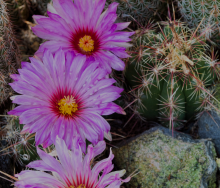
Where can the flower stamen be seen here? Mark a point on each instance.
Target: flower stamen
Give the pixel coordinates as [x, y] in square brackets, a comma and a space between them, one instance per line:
[86, 43]
[79, 186]
[67, 106]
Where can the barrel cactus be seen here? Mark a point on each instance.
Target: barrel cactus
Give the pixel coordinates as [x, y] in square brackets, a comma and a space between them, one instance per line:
[170, 72]
[205, 11]
[140, 10]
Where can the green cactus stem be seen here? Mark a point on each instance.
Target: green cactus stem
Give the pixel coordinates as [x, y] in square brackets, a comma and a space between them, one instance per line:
[170, 71]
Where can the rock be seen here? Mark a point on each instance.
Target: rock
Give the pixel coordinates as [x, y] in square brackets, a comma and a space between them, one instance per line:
[209, 127]
[6, 166]
[166, 161]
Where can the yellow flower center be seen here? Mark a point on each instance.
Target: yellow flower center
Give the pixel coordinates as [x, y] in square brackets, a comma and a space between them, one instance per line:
[67, 106]
[79, 186]
[86, 43]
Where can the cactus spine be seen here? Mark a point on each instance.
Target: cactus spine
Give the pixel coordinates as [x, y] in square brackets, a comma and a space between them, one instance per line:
[20, 147]
[207, 11]
[14, 13]
[141, 10]
[170, 72]
[9, 58]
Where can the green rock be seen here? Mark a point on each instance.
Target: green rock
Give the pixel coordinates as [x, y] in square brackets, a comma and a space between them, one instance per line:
[166, 161]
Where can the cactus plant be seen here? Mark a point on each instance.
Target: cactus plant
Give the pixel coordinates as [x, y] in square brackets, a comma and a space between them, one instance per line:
[141, 10]
[19, 146]
[14, 13]
[170, 72]
[9, 58]
[205, 11]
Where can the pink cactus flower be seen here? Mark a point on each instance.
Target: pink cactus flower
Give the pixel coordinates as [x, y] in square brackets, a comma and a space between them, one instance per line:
[72, 170]
[82, 27]
[64, 95]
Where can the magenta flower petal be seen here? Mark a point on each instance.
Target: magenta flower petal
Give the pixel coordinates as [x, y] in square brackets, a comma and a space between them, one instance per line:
[81, 27]
[37, 179]
[41, 165]
[64, 95]
[109, 108]
[73, 170]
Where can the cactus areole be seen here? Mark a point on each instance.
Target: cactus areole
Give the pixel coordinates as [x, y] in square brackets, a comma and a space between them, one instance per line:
[171, 71]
